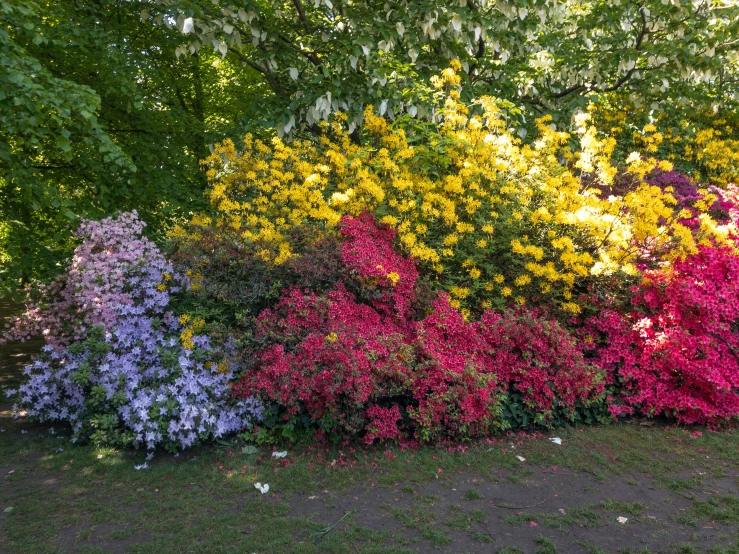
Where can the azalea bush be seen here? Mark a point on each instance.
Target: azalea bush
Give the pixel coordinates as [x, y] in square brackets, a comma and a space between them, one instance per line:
[676, 352]
[114, 266]
[490, 218]
[363, 363]
[119, 367]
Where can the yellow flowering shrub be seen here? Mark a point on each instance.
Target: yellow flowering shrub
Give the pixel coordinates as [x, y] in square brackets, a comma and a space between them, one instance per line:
[494, 219]
[705, 144]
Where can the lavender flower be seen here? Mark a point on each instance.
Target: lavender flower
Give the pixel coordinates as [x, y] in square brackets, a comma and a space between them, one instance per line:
[115, 370]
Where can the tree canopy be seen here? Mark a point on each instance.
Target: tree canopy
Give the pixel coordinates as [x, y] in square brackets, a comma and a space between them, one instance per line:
[96, 115]
[320, 56]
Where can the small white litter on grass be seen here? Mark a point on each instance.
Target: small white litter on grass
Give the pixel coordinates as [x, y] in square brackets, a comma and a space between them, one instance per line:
[622, 520]
[279, 454]
[556, 440]
[264, 489]
[521, 458]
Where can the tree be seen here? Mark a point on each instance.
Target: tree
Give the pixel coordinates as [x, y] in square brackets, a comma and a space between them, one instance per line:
[97, 114]
[320, 56]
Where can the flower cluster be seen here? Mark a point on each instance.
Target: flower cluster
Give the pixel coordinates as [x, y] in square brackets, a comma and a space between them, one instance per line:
[136, 386]
[703, 144]
[356, 366]
[113, 266]
[677, 352]
[125, 371]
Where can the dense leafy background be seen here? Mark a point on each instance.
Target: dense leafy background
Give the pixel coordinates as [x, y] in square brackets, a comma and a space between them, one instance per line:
[98, 115]
[108, 105]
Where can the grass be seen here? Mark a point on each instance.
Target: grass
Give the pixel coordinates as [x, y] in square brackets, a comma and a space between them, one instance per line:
[78, 498]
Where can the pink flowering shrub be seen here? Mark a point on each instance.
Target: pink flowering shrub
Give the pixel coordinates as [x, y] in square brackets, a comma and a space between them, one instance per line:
[357, 361]
[677, 352]
[383, 274]
[328, 355]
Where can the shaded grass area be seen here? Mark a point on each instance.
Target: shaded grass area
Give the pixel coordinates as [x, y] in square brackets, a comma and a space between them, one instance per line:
[68, 498]
[677, 489]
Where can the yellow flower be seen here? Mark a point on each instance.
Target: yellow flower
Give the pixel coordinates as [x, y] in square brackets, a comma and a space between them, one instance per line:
[197, 324]
[331, 337]
[459, 292]
[506, 291]
[475, 273]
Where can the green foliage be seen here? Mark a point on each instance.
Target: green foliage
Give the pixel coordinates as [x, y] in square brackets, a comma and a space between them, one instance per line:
[318, 56]
[97, 115]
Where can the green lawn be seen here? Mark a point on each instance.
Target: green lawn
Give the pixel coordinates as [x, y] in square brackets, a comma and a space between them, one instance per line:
[678, 493]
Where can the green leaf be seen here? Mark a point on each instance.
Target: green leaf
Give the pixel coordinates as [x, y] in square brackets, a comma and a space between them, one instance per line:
[63, 143]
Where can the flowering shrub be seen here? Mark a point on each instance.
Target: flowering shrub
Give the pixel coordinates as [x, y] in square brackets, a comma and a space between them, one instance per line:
[122, 370]
[136, 386]
[703, 145]
[493, 220]
[357, 366]
[677, 353]
[114, 266]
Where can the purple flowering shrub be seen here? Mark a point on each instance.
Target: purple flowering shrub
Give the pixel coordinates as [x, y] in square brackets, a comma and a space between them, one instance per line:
[118, 366]
[114, 266]
[687, 193]
[136, 386]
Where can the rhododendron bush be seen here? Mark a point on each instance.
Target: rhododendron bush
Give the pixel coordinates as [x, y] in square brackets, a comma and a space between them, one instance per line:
[119, 367]
[677, 352]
